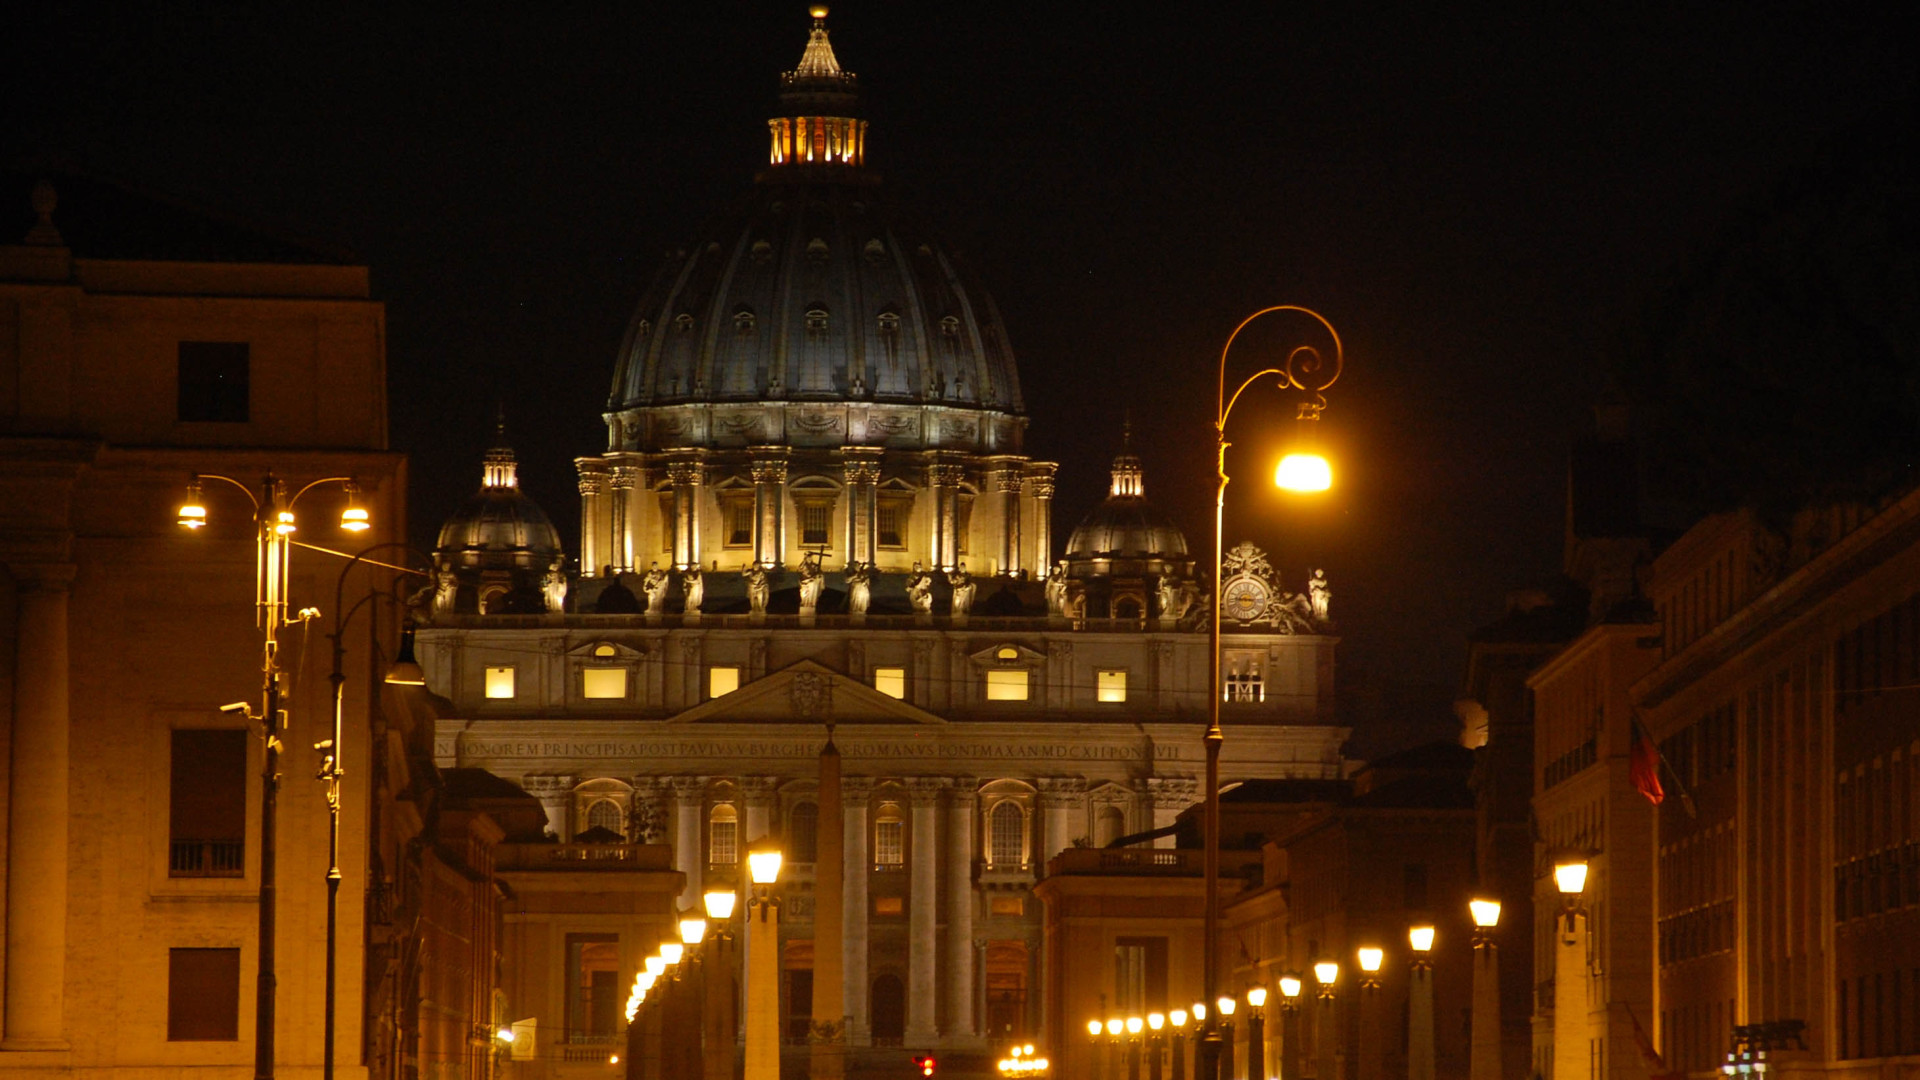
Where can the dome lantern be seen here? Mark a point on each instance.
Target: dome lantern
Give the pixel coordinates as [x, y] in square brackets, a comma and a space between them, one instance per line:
[819, 126]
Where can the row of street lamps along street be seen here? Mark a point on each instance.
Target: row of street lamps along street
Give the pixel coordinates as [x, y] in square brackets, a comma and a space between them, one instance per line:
[1158, 1038]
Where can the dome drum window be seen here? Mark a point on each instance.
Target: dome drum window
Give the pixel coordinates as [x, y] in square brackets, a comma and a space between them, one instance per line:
[743, 322]
[816, 322]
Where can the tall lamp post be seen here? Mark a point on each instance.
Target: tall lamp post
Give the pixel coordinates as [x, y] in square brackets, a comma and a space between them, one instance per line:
[1226, 1006]
[1484, 1062]
[1303, 371]
[717, 1023]
[763, 965]
[1420, 1003]
[1372, 1048]
[1256, 1033]
[274, 526]
[1570, 971]
[1156, 1023]
[1327, 1032]
[404, 672]
[1290, 1027]
[1177, 1045]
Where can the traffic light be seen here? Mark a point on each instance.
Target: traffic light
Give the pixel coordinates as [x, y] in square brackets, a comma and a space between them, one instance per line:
[926, 1064]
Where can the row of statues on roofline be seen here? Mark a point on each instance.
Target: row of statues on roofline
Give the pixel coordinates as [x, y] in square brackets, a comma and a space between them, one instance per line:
[859, 581]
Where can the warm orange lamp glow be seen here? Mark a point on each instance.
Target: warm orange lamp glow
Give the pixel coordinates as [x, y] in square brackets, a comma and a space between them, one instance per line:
[1570, 876]
[1370, 958]
[1420, 938]
[1303, 473]
[193, 512]
[1486, 913]
[355, 518]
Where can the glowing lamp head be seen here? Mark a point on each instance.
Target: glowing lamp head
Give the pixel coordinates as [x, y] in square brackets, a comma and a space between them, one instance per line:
[1326, 972]
[1134, 1024]
[1094, 1028]
[1226, 1005]
[354, 518]
[818, 11]
[505, 1035]
[1420, 938]
[672, 952]
[656, 964]
[1304, 473]
[1178, 1018]
[1289, 986]
[764, 865]
[1370, 958]
[1199, 1011]
[283, 523]
[693, 931]
[1257, 997]
[1486, 913]
[193, 512]
[720, 904]
[1156, 1021]
[1570, 875]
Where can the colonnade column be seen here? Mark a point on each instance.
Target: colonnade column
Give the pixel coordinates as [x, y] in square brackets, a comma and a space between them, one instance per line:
[37, 794]
[688, 794]
[1040, 486]
[862, 477]
[593, 525]
[922, 906]
[944, 482]
[769, 510]
[1009, 483]
[625, 478]
[960, 974]
[855, 792]
[685, 478]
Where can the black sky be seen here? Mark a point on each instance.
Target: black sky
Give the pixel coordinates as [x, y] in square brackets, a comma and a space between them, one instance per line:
[1480, 200]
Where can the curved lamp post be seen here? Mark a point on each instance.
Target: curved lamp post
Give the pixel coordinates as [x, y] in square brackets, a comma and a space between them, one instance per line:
[1307, 371]
[274, 525]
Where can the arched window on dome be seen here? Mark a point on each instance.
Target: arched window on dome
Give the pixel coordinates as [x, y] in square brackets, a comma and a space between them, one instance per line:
[1007, 834]
[743, 321]
[816, 321]
[683, 322]
[605, 814]
[887, 324]
[803, 827]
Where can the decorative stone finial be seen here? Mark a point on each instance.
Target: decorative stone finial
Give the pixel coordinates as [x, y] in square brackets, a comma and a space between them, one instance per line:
[45, 198]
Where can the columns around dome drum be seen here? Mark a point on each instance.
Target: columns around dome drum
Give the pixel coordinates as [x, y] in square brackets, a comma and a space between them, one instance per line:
[1040, 486]
[685, 477]
[593, 515]
[769, 472]
[862, 485]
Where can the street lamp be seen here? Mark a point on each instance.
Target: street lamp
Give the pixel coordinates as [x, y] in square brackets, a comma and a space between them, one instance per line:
[763, 964]
[1256, 1033]
[1156, 1022]
[1290, 1026]
[1200, 1039]
[1226, 1006]
[1301, 371]
[1134, 1025]
[1372, 1048]
[1326, 973]
[1569, 970]
[274, 525]
[1094, 1030]
[1420, 1003]
[1177, 1046]
[1485, 1059]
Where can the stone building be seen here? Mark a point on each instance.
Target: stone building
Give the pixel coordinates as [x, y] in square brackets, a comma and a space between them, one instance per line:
[814, 509]
[142, 343]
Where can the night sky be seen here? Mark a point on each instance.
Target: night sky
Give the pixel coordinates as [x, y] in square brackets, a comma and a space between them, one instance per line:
[1481, 201]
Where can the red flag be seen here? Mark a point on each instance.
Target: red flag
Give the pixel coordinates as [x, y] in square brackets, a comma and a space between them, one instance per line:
[1645, 767]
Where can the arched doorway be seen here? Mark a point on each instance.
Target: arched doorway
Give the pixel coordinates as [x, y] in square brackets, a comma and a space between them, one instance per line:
[889, 1012]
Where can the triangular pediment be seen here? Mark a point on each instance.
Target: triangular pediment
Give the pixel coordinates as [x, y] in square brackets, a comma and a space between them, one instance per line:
[806, 693]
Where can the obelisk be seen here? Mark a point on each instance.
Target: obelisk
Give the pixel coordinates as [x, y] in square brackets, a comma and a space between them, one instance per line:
[828, 1039]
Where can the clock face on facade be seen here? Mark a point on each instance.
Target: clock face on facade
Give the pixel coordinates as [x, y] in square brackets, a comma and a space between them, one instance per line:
[1244, 599]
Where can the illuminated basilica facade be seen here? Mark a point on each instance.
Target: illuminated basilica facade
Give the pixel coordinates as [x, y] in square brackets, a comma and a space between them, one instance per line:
[815, 513]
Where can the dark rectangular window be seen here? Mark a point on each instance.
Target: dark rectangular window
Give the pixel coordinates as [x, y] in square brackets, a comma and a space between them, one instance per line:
[889, 525]
[814, 522]
[213, 382]
[1140, 973]
[207, 804]
[203, 995]
[593, 977]
[739, 523]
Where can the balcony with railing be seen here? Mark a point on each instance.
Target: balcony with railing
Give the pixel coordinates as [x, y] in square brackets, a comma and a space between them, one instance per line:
[207, 858]
[588, 857]
[1166, 862]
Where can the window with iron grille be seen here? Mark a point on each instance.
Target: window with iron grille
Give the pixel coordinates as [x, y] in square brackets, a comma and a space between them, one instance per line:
[1007, 834]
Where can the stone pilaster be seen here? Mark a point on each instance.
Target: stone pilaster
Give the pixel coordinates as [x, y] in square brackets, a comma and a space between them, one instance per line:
[1063, 806]
[756, 793]
[685, 478]
[37, 795]
[863, 478]
[855, 792]
[922, 906]
[769, 510]
[1040, 487]
[963, 806]
[689, 793]
[1009, 483]
[625, 480]
[943, 483]
[593, 510]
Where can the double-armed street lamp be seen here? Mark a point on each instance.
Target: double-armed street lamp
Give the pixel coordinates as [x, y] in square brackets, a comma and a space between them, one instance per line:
[1308, 372]
[274, 526]
[1484, 1062]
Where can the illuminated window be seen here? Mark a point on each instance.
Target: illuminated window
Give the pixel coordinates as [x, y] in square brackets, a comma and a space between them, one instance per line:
[722, 681]
[888, 525]
[1008, 906]
[1004, 684]
[803, 832]
[1006, 652]
[1007, 834]
[888, 905]
[1244, 683]
[889, 837]
[500, 682]
[723, 836]
[605, 814]
[604, 682]
[605, 650]
[1111, 685]
[891, 681]
[816, 518]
